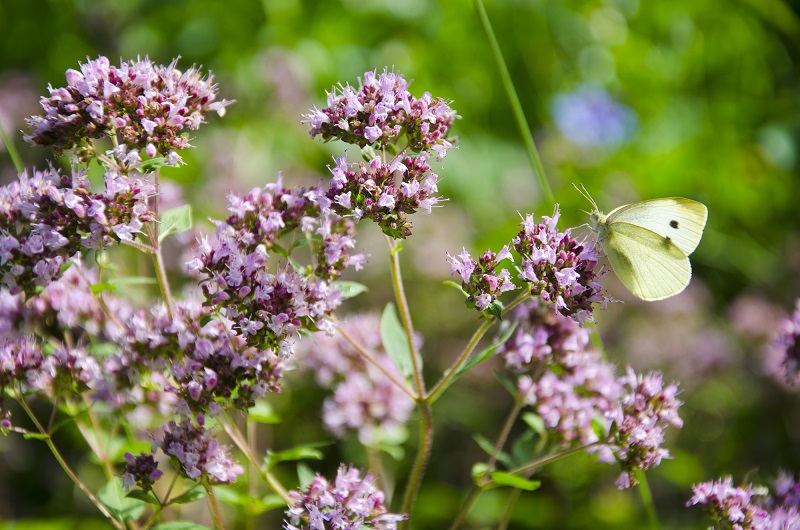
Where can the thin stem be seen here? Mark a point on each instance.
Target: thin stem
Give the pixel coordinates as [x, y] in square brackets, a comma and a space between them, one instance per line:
[368, 356]
[405, 314]
[250, 434]
[94, 443]
[524, 129]
[71, 474]
[508, 509]
[421, 461]
[161, 272]
[214, 505]
[268, 477]
[465, 508]
[501, 440]
[550, 459]
[12, 151]
[451, 372]
[647, 499]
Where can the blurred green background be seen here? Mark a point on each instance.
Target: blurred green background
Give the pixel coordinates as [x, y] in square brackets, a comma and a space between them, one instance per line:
[633, 99]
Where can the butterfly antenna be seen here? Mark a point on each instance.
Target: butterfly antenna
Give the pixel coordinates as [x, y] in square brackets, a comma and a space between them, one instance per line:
[582, 190]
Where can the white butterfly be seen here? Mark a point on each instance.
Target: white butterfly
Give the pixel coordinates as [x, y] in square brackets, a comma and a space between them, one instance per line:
[648, 243]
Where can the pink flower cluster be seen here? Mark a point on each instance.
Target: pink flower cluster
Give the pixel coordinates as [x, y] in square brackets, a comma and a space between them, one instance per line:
[750, 507]
[479, 278]
[141, 104]
[380, 110]
[351, 501]
[197, 452]
[47, 218]
[559, 269]
[385, 193]
[398, 181]
[268, 307]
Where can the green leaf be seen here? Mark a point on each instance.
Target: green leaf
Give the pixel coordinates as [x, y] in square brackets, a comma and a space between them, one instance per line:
[395, 341]
[523, 448]
[262, 413]
[488, 448]
[349, 289]
[35, 436]
[243, 501]
[98, 288]
[175, 221]
[194, 494]
[507, 382]
[114, 497]
[303, 452]
[535, 422]
[598, 426]
[304, 474]
[495, 309]
[271, 502]
[142, 496]
[153, 163]
[456, 286]
[501, 478]
[180, 525]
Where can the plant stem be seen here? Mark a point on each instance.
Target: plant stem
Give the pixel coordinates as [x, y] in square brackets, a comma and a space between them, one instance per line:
[219, 524]
[524, 129]
[423, 405]
[550, 459]
[71, 474]
[647, 499]
[465, 508]
[421, 462]
[451, 372]
[368, 356]
[158, 262]
[501, 440]
[405, 314]
[268, 477]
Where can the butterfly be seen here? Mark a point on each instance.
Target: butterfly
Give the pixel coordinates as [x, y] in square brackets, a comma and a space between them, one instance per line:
[648, 243]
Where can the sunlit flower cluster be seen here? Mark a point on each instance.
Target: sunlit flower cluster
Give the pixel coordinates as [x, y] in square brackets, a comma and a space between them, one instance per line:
[351, 501]
[269, 304]
[209, 361]
[141, 104]
[647, 408]
[384, 193]
[559, 269]
[730, 504]
[380, 110]
[47, 218]
[197, 452]
[480, 279]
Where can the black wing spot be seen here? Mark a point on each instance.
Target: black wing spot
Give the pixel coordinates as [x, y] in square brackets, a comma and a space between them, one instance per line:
[673, 223]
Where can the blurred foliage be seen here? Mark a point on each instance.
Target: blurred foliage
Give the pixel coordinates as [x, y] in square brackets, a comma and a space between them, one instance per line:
[710, 94]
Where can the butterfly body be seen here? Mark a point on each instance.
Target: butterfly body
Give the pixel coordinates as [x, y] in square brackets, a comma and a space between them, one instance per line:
[648, 243]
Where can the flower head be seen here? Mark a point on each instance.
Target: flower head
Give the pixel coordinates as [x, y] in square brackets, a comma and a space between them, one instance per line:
[351, 501]
[559, 269]
[480, 279]
[142, 104]
[141, 471]
[381, 109]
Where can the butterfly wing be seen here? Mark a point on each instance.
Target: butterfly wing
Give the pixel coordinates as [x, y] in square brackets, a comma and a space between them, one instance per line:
[652, 267]
[677, 219]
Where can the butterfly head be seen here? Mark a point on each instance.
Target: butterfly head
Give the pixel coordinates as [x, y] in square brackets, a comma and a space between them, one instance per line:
[596, 217]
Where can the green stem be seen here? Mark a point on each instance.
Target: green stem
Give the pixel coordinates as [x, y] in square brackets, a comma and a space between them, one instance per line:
[501, 440]
[161, 271]
[401, 384]
[524, 129]
[451, 372]
[549, 459]
[647, 499]
[405, 314]
[71, 474]
[466, 508]
[219, 524]
[268, 477]
[421, 461]
[508, 509]
[12, 151]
